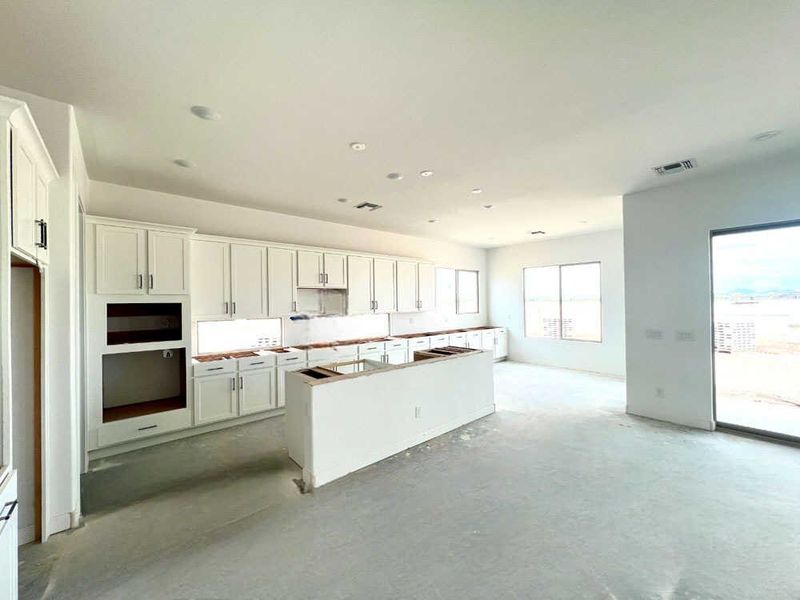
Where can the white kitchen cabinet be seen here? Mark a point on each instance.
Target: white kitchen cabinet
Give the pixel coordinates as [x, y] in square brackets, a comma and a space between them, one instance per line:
[248, 281]
[335, 273]
[487, 339]
[500, 343]
[9, 566]
[407, 286]
[281, 277]
[256, 391]
[23, 196]
[475, 340]
[215, 398]
[210, 279]
[396, 356]
[383, 285]
[426, 286]
[120, 259]
[167, 263]
[42, 221]
[359, 285]
[310, 270]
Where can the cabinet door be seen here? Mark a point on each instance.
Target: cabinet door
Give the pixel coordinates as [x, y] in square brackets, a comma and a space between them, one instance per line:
[42, 221]
[475, 340]
[384, 285]
[426, 291]
[120, 259]
[282, 293]
[215, 398]
[256, 391]
[335, 270]
[167, 263]
[8, 538]
[248, 281]
[500, 343]
[210, 279]
[359, 285]
[397, 357]
[309, 269]
[406, 286]
[23, 198]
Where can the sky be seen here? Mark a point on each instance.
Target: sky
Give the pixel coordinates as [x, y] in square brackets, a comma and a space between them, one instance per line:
[763, 261]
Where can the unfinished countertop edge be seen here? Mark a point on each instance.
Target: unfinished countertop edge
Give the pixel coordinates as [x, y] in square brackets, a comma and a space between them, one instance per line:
[344, 376]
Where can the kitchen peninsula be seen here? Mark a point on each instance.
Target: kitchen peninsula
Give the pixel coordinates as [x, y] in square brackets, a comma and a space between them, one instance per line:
[341, 418]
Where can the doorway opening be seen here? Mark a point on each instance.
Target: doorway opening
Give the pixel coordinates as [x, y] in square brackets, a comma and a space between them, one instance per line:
[756, 328]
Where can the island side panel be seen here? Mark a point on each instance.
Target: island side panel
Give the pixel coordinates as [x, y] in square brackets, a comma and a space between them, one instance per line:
[359, 421]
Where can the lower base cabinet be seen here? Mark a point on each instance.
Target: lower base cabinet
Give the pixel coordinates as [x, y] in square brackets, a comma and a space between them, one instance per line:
[215, 398]
[280, 376]
[8, 537]
[256, 391]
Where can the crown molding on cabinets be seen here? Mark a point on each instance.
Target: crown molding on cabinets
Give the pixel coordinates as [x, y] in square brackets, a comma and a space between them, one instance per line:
[140, 224]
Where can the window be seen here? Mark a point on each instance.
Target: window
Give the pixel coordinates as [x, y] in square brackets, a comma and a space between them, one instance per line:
[466, 292]
[456, 291]
[563, 302]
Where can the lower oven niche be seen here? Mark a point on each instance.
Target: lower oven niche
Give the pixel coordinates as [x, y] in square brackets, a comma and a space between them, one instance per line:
[136, 384]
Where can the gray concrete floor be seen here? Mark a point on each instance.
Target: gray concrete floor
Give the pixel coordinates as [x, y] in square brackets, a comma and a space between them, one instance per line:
[560, 495]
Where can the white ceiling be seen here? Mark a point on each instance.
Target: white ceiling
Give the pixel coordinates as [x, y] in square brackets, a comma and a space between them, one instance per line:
[554, 108]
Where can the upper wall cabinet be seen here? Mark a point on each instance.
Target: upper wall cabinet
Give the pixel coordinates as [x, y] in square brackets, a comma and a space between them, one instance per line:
[321, 269]
[30, 171]
[416, 285]
[241, 281]
[282, 283]
[371, 285]
[139, 260]
[211, 291]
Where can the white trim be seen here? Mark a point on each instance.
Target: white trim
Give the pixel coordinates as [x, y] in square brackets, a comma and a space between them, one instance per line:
[92, 219]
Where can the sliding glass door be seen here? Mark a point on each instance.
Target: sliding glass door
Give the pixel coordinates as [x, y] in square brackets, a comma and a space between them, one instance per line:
[756, 300]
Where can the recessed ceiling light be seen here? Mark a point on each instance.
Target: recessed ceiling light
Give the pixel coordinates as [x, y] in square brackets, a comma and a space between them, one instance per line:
[205, 112]
[394, 176]
[488, 206]
[767, 135]
[342, 200]
[433, 220]
[182, 162]
[426, 173]
[358, 146]
[477, 191]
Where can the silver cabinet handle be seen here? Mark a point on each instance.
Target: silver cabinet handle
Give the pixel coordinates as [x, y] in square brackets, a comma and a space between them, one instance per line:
[233, 308]
[226, 307]
[215, 369]
[8, 510]
[292, 358]
[233, 384]
[241, 382]
[147, 427]
[294, 305]
[326, 278]
[152, 281]
[42, 243]
[141, 281]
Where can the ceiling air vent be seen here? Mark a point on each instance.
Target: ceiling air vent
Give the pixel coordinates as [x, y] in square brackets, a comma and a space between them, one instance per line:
[369, 206]
[676, 167]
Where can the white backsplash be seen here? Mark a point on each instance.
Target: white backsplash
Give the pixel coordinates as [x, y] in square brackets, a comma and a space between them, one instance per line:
[326, 329]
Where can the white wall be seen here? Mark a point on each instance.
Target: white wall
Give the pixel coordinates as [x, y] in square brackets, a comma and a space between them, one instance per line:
[110, 200]
[668, 279]
[55, 121]
[506, 301]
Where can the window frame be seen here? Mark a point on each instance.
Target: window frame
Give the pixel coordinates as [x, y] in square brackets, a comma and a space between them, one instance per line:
[477, 292]
[561, 337]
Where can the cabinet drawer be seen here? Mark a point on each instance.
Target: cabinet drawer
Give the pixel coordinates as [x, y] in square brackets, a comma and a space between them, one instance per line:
[371, 348]
[142, 427]
[439, 341]
[458, 339]
[256, 362]
[290, 359]
[396, 345]
[216, 367]
[421, 343]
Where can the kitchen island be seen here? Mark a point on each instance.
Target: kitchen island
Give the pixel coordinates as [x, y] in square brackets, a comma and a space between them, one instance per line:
[339, 422]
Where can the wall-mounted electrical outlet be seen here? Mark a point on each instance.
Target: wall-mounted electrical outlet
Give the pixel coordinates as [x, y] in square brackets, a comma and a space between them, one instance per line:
[684, 336]
[167, 354]
[653, 334]
[659, 392]
[417, 412]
